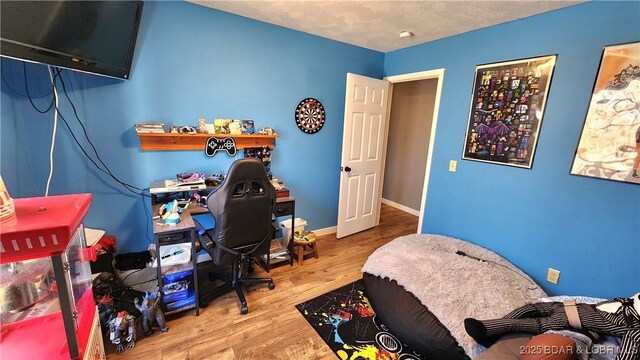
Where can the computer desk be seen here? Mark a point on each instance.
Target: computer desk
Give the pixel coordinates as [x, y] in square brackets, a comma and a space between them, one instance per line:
[185, 230]
[285, 206]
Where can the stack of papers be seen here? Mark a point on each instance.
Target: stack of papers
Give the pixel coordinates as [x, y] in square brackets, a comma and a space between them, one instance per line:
[147, 128]
[168, 186]
[174, 182]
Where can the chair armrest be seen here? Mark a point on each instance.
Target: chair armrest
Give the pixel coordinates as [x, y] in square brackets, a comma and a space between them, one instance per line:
[203, 223]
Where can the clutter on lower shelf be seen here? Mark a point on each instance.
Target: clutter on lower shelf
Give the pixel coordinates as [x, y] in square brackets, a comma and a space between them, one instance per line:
[178, 290]
[175, 254]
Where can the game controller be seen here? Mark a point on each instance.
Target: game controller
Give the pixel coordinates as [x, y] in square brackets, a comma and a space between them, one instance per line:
[220, 144]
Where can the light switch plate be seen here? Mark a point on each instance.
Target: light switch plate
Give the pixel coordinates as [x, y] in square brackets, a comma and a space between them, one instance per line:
[453, 164]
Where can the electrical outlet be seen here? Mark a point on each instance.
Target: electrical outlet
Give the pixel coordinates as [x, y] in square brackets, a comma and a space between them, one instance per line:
[553, 276]
[452, 165]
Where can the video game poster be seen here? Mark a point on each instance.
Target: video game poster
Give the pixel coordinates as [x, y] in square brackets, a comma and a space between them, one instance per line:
[506, 111]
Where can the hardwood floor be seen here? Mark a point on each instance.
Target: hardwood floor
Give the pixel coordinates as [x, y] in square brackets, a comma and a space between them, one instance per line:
[273, 328]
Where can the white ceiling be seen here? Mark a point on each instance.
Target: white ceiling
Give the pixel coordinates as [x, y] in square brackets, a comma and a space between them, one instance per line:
[377, 24]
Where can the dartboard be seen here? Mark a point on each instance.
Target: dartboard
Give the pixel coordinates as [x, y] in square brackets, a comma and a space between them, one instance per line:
[310, 115]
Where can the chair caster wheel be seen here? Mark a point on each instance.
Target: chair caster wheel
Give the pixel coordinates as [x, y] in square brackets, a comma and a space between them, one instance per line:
[204, 304]
[244, 310]
[271, 286]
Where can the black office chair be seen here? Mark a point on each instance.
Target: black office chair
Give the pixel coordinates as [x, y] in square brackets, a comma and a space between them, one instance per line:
[242, 207]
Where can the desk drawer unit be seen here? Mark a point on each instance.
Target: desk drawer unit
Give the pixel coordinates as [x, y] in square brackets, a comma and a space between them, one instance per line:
[173, 238]
[284, 208]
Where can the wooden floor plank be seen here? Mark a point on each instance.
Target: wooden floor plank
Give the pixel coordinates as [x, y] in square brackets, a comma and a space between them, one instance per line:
[273, 329]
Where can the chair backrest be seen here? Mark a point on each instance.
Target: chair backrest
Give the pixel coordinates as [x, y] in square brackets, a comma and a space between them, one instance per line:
[242, 207]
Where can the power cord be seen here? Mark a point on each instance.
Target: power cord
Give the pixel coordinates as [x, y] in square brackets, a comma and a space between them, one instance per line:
[143, 193]
[86, 135]
[462, 253]
[131, 188]
[6, 83]
[26, 86]
[140, 283]
[89, 157]
[55, 128]
[148, 214]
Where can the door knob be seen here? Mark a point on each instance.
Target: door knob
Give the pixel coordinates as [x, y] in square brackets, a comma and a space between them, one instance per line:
[347, 169]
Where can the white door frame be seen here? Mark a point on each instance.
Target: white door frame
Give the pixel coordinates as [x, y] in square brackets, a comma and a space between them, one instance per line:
[421, 75]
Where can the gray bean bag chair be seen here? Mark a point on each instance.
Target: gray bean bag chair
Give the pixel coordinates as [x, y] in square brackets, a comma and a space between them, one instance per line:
[423, 290]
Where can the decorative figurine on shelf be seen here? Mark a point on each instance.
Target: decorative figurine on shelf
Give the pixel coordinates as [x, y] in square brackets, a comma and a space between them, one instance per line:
[266, 131]
[247, 126]
[151, 313]
[202, 125]
[122, 331]
[263, 154]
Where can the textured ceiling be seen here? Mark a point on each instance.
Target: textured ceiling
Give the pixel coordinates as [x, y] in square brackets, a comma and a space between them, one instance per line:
[377, 24]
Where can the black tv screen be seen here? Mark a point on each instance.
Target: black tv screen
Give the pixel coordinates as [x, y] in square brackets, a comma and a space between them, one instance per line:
[91, 36]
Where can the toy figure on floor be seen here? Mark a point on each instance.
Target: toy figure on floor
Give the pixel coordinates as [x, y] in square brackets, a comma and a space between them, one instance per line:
[122, 331]
[106, 310]
[618, 317]
[151, 313]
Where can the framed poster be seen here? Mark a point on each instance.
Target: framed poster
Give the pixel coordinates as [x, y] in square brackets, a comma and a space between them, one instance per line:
[609, 146]
[506, 111]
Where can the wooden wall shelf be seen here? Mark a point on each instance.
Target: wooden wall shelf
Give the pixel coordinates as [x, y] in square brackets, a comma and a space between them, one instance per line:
[171, 141]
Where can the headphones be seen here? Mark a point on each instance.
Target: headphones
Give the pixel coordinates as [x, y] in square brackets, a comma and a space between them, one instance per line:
[201, 197]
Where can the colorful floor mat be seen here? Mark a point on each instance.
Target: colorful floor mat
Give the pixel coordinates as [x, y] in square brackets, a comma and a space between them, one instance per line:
[346, 322]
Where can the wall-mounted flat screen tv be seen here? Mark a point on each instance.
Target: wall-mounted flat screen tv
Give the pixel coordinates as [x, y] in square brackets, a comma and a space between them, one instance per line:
[92, 36]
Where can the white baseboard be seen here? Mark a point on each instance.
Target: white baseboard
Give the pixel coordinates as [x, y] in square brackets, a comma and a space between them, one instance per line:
[326, 231]
[401, 207]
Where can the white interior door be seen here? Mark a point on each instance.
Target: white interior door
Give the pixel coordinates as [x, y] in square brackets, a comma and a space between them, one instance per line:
[365, 117]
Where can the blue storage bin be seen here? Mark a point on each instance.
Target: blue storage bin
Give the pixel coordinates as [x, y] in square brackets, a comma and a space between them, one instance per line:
[176, 296]
[176, 276]
[190, 299]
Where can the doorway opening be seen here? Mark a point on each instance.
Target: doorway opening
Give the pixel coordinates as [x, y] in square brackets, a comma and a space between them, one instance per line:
[412, 119]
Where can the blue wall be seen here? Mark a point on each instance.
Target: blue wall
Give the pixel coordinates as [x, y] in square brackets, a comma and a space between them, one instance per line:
[195, 62]
[190, 62]
[587, 228]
